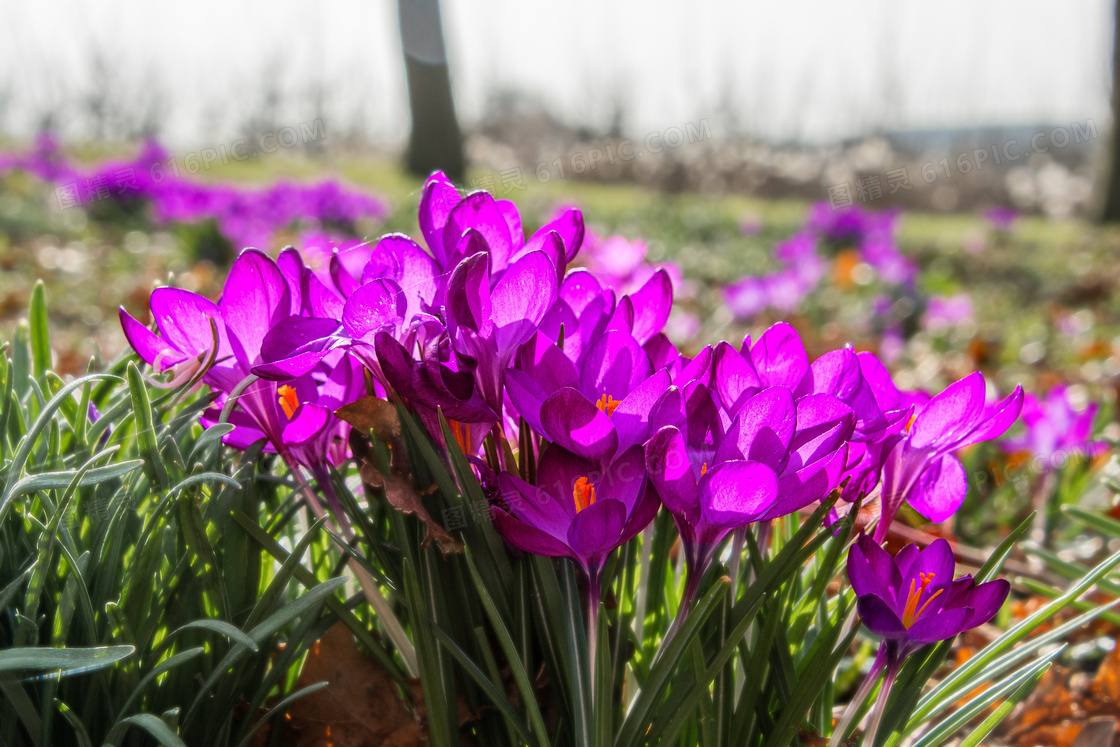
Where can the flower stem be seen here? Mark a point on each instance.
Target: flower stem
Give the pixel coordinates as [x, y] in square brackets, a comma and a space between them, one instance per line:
[881, 703]
[691, 586]
[857, 699]
[593, 582]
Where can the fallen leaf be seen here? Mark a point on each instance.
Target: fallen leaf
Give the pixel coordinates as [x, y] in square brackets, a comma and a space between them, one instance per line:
[359, 706]
[402, 496]
[372, 414]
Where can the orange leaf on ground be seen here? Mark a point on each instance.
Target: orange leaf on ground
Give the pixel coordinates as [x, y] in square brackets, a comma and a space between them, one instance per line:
[359, 706]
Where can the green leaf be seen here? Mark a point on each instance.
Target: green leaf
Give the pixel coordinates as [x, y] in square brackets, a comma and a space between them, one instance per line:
[978, 703]
[75, 723]
[39, 331]
[150, 723]
[1004, 710]
[61, 660]
[224, 628]
[281, 707]
[27, 443]
[497, 697]
[146, 441]
[505, 640]
[61, 480]
[164, 666]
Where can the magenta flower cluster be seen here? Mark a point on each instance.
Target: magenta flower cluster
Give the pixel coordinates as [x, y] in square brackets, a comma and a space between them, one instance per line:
[495, 330]
[870, 234]
[246, 217]
[1052, 425]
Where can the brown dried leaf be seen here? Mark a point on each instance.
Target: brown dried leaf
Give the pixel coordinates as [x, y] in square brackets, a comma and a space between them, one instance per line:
[372, 414]
[402, 496]
[359, 706]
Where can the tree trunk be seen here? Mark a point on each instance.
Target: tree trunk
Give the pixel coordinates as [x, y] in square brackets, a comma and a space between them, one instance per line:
[436, 142]
[1111, 206]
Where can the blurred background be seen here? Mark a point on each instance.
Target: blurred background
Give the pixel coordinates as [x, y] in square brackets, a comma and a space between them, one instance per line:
[794, 96]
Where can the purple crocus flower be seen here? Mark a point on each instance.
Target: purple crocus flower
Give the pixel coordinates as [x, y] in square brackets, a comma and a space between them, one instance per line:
[911, 600]
[576, 510]
[919, 467]
[947, 311]
[255, 301]
[1001, 218]
[1053, 426]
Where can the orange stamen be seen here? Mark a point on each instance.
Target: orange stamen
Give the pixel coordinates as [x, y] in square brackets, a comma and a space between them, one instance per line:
[607, 404]
[462, 434]
[703, 468]
[584, 494]
[289, 401]
[912, 612]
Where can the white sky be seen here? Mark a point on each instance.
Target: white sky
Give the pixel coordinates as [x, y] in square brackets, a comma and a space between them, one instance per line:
[800, 68]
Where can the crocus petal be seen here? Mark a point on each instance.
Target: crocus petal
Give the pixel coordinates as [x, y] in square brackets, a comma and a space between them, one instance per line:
[574, 423]
[547, 364]
[879, 618]
[763, 429]
[509, 212]
[255, 298]
[631, 417]
[697, 369]
[780, 357]
[905, 559]
[372, 307]
[661, 351]
[950, 416]
[871, 569]
[824, 423]
[343, 280]
[149, 346]
[624, 479]
[569, 226]
[536, 507]
[597, 530]
[671, 473]
[307, 423]
[184, 320]
[940, 490]
[797, 490]
[996, 419]
[293, 333]
[526, 538]
[985, 600]
[468, 295]
[398, 257]
[615, 365]
[436, 203]
[938, 626]
[668, 410]
[735, 377]
[479, 212]
[936, 559]
[652, 304]
[736, 493]
[879, 379]
[527, 396]
[291, 265]
[520, 300]
[558, 470]
[642, 513]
